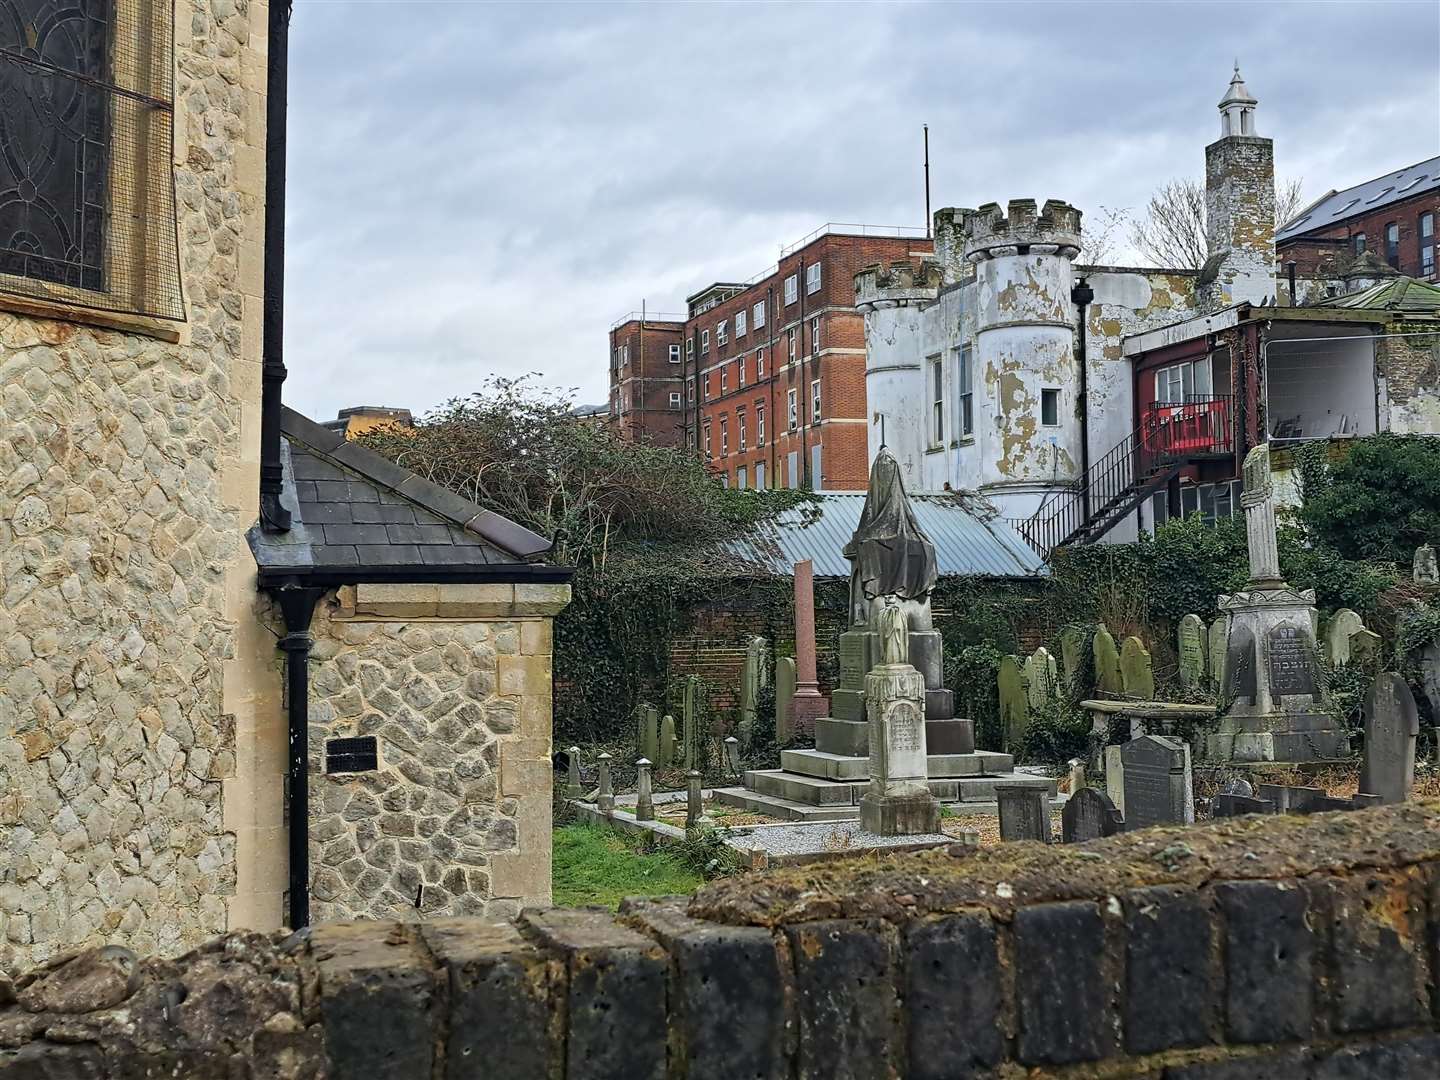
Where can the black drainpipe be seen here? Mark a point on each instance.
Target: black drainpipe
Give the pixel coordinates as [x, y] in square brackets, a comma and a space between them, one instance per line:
[273, 516]
[297, 604]
[1082, 295]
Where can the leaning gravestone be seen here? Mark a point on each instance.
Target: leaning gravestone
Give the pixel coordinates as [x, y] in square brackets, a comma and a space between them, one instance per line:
[690, 721]
[1024, 812]
[784, 700]
[1107, 663]
[1014, 705]
[1338, 631]
[1136, 675]
[647, 731]
[753, 679]
[1426, 571]
[1219, 630]
[1158, 788]
[1391, 726]
[1365, 648]
[1190, 639]
[1089, 815]
[1041, 679]
[668, 753]
[1072, 655]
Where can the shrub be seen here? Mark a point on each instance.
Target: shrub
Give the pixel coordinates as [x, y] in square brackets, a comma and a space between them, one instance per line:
[1381, 502]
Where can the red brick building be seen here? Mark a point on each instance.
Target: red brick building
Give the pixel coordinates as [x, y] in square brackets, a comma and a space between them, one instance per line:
[773, 370]
[1393, 217]
[646, 376]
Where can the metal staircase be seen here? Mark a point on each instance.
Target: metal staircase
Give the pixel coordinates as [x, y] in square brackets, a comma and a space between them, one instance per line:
[1171, 436]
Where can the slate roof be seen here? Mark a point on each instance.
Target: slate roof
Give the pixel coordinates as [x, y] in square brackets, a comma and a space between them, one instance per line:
[1401, 293]
[357, 516]
[1363, 198]
[970, 539]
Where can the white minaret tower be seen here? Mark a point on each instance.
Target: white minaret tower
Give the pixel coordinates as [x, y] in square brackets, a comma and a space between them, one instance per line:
[1239, 207]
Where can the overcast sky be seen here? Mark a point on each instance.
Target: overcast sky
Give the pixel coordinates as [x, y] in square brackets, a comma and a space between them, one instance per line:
[481, 189]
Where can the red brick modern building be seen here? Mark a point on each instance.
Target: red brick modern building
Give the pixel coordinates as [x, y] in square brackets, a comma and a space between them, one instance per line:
[1393, 217]
[646, 377]
[772, 371]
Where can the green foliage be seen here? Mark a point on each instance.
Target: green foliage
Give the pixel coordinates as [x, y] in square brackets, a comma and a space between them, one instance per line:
[596, 865]
[704, 852]
[1381, 502]
[970, 672]
[1058, 732]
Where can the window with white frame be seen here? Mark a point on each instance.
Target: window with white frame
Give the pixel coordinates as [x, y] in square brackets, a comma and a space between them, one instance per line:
[690, 388]
[740, 478]
[936, 380]
[815, 337]
[759, 476]
[705, 387]
[792, 289]
[757, 315]
[708, 451]
[724, 381]
[815, 401]
[1177, 383]
[759, 423]
[790, 337]
[624, 355]
[704, 342]
[740, 327]
[689, 346]
[740, 428]
[1050, 408]
[1427, 244]
[792, 409]
[812, 278]
[724, 435]
[674, 354]
[675, 400]
[759, 363]
[964, 393]
[721, 334]
[740, 360]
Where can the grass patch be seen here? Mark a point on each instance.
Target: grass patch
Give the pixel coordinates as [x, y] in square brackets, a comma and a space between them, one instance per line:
[595, 865]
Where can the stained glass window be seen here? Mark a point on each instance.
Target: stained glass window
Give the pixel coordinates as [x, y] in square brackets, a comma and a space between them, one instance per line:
[54, 139]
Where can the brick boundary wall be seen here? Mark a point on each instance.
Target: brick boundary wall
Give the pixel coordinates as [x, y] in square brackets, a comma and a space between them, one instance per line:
[1268, 948]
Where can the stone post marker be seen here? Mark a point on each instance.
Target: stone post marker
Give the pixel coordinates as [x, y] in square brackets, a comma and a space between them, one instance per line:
[1391, 726]
[1089, 815]
[644, 796]
[693, 806]
[784, 700]
[667, 741]
[1191, 643]
[808, 704]
[1014, 704]
[1024, 813]
[606, 799]
[572, 785]
[691, 720]
[732, 755]
[1137, 676]
[1107, 663]
[898, 801]
[1426, 570]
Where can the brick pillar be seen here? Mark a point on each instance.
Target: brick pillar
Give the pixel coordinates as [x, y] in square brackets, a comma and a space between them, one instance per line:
[809, 704]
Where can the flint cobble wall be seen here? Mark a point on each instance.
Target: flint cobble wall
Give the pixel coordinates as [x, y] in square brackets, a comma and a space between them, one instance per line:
[121, 455]
[1256, 949]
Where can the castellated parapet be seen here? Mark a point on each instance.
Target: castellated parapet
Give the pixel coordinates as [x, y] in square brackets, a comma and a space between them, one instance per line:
[1055, 229]
[900, 284]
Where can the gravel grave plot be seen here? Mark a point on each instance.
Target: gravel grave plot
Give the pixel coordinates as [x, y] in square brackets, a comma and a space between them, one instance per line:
[988, 826]
[829, 836]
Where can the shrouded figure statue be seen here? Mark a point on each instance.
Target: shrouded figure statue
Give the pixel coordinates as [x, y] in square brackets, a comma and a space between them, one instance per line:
[890, 556]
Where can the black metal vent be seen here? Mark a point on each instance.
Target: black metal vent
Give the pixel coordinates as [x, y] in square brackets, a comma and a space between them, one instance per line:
[352, 755]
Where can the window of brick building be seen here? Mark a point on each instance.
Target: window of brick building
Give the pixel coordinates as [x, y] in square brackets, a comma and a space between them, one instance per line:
[792, 289]
[1427, 244]
[757, 314]
[740, 478]
[759, 363]
[724, 435]
[675, 400]
[792, 409]
[674, 354]
[724, 381]
[690, 388]
[689, 347]
[812, 278]
[740, 360]
[740, 428]
[740, 323]
[1392, 243]
[708, 451]
[1358, 240]
[759, 423]
[815, 401]
[721, 334]
[814, 337]
[790, 337]
[759, 476]
[704, 342]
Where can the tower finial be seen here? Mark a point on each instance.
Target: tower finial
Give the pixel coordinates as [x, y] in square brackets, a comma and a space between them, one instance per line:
[1237, 107]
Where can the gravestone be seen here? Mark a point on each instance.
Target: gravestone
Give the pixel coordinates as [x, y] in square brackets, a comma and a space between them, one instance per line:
[1137, 677]
[1219, 630]
[1041, 678]
[644, 795]
[1158, 788]
[1238, 786]
[647, 731]
[1392, 724]
[1227, 806]
[1290, 661]
[1241, 684]
[1108, 679]
[605, 800]
[1024, 812]
[754, 677]
[1365, 651]
[1290, 799]
[694, 808]
[1338, 631]
[572, 773]
[1115, 777]
[690, 721]
[1426, 571]
[668, 753]
[1072, 655]
[1089, 815]
[897, 801]
[732, 755]
[1014, 704]
[1190, 640]
[784, 700]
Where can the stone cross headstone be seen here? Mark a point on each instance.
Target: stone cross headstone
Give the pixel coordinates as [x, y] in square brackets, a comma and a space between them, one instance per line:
[1338, 631]
[1216, 664]
[1108, 679]
[1158, 788]
[1392, 724]
[572, 785]
[1115, 777]
[1089, 815]
[1024, 812]
[1426, 570]
[784, 700]
[690, 720]
[605, 800]
[1258, 499]
[1041, 679]
[1137, 677]
[1365, 651]
[1014, 705]
[667, 741]
[644, 795]
[694, 808]
[647, 731]
[1191, 643]
[1072, 655]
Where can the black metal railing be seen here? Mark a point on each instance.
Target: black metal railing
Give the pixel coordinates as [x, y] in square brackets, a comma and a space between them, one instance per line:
[1170, 435]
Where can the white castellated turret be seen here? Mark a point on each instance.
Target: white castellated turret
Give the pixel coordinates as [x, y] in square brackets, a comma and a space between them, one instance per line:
[1239, 207]
[1026, 381]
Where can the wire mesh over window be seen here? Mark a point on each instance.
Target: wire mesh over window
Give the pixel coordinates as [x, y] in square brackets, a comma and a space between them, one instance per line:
[87, 193]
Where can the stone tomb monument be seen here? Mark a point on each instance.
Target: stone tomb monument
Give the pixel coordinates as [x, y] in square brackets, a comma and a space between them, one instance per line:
[1024, 813]
[1158, 787]
[898, 801]
[892, 569]
[1271, 673]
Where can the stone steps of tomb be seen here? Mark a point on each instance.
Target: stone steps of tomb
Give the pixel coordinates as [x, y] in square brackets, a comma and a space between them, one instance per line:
[816, 791]
[825, 766]
[791, 810]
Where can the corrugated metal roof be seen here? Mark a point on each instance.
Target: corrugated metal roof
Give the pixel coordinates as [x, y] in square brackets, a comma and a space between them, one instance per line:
[970, 539]
[1403, 294]
[1362, 198]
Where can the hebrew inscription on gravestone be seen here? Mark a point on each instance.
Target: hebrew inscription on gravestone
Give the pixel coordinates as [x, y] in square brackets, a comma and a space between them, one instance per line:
[1291, 663]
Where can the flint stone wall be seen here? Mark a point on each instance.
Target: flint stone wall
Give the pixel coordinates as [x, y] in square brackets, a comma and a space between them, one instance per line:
[124, 456]
[1266, 948]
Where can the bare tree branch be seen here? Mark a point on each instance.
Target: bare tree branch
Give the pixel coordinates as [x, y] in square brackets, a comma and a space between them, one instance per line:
[1172, 231]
